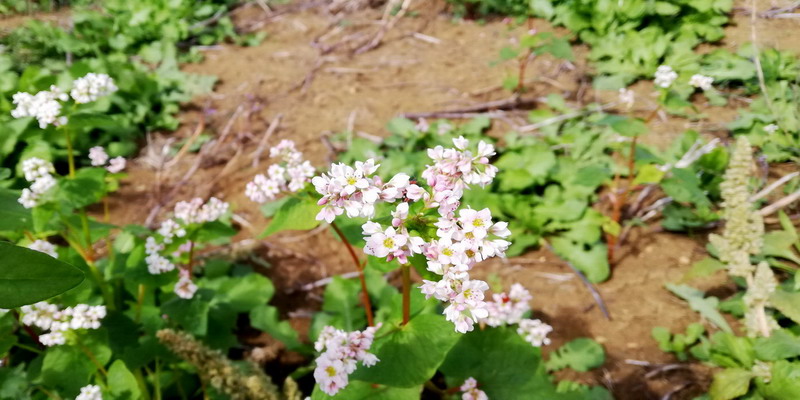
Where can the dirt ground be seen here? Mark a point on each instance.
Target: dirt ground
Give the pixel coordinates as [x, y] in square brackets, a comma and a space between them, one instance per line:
[305, 73]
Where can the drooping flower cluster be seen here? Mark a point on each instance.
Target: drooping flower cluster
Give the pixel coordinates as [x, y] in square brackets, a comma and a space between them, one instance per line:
[342, 351]
[99, 158]
[90, 392]
[291, 174]
[48, 317]
[665, 75]
[534, 331]
[92, 87]
[38, 172]
[46, 105]
[701, 81]
[470, 391]
[45, 247]
[185, 214]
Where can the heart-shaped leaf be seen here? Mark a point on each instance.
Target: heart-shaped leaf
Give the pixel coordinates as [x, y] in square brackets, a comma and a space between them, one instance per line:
[28, 276]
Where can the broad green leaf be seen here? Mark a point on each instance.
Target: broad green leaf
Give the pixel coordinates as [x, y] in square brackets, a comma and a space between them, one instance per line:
[13, 216]
[783, 383]
[593, 262]
[266, 318]
[67, 368]
[342, 300]
[504, 364]
[294, 214]
[780, 244]
[663, 337]
[629, 127]
[782, 344]
[649, 173]
[410, 354]
[788, 303]
[704, 267]
[28, 276]
[706, 306]
[191, 314]
[122, 383]
[581, 354]
[242, 293]
[356, 390]
[730, 383]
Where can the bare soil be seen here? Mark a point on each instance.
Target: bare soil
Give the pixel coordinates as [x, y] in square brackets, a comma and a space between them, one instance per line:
[426, 62]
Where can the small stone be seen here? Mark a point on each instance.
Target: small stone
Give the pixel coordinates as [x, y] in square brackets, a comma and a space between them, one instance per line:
[683, 260]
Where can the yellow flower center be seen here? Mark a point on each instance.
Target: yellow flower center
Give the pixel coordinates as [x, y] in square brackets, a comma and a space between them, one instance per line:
[477, 222]
[470, 253]
[352, 180]
[388, 243]
[331, 371]
[447, 251]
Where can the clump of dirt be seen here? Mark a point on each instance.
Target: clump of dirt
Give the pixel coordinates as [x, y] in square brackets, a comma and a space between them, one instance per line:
[305, 73]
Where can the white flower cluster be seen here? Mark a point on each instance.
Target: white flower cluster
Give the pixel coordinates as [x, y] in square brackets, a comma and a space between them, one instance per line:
[665, 75]
[47, 316]
[701, 81]
[91, 87]
[356, 190]
[470, 391]
[342, 350]
[461, 241]
[508, 309]
[185, 213]
[38, 172]
[45, 247]
[511, 308]
[771, 128]
[44, 106]
[99, 158]
[90, 392]
[627, 98]
[534, 331]
[291, 176]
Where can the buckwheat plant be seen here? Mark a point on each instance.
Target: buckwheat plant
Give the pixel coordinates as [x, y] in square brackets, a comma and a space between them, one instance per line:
[61, 324]
[428, 222]
[175, 241]
[342, 350]
[290, 175]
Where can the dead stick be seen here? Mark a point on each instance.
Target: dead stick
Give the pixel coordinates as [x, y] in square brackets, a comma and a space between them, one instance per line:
[262, 144]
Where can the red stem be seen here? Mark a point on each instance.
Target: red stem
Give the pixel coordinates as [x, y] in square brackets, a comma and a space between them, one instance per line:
[406, 293]
[28, 329]
[357, 262]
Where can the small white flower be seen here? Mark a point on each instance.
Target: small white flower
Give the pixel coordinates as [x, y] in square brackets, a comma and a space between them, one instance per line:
[44, 247]
[52, 339]
[771, 128]
[701, 81]
[91, 87]
[116, 165]
[185, 288]
[34, 168]
[535, 331]
[665, 76]
[470, 390]
[627, 98]
[90, 392]
[98, 156]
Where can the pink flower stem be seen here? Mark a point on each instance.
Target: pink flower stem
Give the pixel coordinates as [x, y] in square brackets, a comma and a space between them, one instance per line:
[357, 262]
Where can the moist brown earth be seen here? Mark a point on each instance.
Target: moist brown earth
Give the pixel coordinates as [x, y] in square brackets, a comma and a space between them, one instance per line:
[305, 71]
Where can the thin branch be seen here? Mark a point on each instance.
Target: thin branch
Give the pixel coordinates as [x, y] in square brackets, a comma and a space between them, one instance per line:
[589, 286]
[262, 144]
[360, 269]
[757, 56]
[774, 185]
[780, 204]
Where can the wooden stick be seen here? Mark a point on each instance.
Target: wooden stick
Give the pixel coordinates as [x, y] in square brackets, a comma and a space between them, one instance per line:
[262, 144]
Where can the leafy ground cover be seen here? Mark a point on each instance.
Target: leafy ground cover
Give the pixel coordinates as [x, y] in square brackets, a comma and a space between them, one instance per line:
[298, 259]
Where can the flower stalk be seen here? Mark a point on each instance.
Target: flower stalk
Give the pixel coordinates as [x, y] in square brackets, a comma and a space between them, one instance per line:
[361, 278]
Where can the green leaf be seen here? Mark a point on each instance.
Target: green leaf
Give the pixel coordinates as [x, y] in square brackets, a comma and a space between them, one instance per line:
[265, 318]
[244, 293]
[121, 382]
[704, 267]
[67, 368]
[504, 364]
[191, 314]
[294, 214]
[404, 361]
[730, 383]
[780, 244]
[592, 260]
[629, 127]
[356, 390]
[13, 216]
[581, 354]
[28, 276]
[782, 344]
[649, 173]
[788, 303]
[784, 382]
[663, 337]
[706, 306]
[343, 301]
